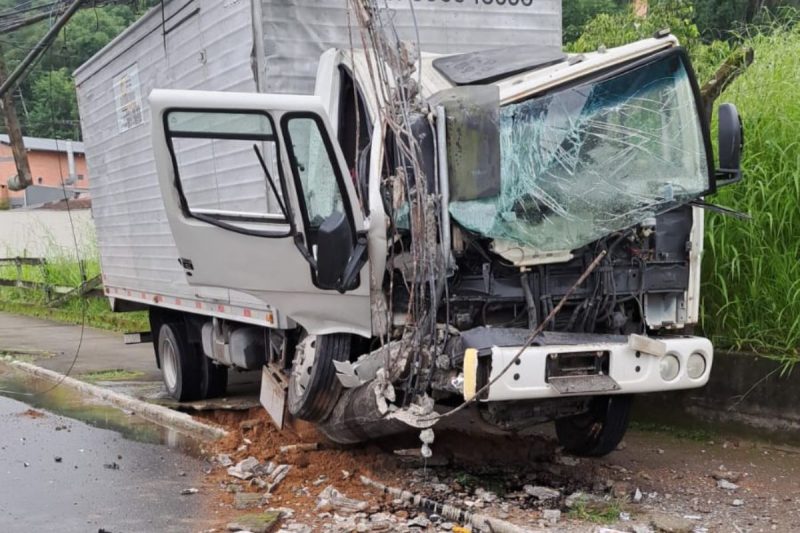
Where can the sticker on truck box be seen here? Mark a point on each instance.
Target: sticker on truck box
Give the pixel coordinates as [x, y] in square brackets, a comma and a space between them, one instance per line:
[128, 99]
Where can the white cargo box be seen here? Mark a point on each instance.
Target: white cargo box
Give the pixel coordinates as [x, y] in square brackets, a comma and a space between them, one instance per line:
[236, 45]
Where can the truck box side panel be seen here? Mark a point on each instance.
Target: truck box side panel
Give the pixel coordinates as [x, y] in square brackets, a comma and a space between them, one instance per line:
[296, 32]
[205, 45]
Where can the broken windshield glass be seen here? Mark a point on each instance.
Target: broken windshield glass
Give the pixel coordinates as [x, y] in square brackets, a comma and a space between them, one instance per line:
[585, 161]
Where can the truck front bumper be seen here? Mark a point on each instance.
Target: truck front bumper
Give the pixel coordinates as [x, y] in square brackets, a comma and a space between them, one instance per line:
[620, 366]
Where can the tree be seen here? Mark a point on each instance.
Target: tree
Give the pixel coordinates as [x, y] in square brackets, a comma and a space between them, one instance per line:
[576, 13]
[54, 111]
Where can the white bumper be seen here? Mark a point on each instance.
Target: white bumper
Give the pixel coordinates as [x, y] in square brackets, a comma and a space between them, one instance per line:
[634, 371]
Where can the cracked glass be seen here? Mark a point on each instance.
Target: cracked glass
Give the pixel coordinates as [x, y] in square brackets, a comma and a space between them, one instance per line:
[592, 159]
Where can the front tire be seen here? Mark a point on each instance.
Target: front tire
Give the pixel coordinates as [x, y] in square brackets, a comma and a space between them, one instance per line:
[597, 432]
[180, 364]
[314, 388]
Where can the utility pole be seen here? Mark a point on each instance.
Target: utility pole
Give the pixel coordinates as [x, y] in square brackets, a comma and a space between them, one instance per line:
[9, 113]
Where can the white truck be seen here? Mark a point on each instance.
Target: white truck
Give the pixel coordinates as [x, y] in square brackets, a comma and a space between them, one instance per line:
[510, 229]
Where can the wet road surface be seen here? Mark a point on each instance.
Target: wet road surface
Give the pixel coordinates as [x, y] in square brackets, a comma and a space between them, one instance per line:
[95, 468]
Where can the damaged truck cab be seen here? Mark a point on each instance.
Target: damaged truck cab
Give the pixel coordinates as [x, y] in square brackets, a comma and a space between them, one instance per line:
[415, 266]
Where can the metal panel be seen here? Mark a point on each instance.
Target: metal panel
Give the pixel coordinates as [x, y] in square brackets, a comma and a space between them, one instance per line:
[204, 44]
[296, 32]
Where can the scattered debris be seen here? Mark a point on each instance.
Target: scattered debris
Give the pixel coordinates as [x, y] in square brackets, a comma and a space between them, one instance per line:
[301, 447]
[551, 516]
[249, 424]
[568, 460]
[738, 503]
[57, 459]
[637, 496]
[256, 523]
[727, 485]
[187, 492]
[278, 474]
[224, 460]
[244, 469]
[111, 466]
[247, 500]
[331, 499]
[668, 523]
[541, 493]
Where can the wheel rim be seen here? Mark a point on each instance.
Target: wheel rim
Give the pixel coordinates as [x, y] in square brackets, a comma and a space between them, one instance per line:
[169, 364]
[305, 355]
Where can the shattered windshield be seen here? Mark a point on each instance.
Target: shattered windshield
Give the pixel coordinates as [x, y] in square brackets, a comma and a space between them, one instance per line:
[585, 161]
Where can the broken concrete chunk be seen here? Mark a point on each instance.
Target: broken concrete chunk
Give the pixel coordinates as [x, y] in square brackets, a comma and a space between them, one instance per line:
[419, 521]
[224, 460]
[187, 492]
[738, 503]
[551, 516]
[244, 469]
[247, 500]
[667, 523]
[637, 496]
[257, 523]
[278, 474]
[330, 498]
[541, 493]
[727, 485]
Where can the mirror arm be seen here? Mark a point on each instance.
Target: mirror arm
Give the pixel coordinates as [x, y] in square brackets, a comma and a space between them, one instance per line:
[300, 243]
[725, 177]
[354, 265]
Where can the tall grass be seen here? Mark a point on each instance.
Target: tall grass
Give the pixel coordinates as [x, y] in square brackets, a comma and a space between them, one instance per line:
[751, 285]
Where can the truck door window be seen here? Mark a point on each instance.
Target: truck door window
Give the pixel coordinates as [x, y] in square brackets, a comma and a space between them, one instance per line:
[218, 172]
[354, 130]
[316, 173]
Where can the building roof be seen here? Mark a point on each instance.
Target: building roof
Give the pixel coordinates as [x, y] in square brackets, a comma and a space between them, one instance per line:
[46, 145]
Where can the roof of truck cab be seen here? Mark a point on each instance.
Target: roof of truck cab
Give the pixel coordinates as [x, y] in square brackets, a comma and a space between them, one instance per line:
[521, 85]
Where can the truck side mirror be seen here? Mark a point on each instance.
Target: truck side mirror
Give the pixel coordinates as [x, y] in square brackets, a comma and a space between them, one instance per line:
[731, 142]
[334, 247]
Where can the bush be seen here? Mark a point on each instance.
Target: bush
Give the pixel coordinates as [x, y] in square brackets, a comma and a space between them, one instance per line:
[751, 288]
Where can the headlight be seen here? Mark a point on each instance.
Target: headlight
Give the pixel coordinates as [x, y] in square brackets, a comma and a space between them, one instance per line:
[696, 365]
[669, 367]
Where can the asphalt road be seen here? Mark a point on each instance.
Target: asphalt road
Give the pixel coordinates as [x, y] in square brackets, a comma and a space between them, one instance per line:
[102, 481]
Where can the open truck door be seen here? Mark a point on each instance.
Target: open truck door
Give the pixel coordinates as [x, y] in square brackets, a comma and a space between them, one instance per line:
[259, 200]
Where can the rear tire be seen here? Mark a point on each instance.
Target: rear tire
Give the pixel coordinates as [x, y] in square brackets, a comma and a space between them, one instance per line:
[598, 431]
[214, 382]
[314, 388]
[180, 363]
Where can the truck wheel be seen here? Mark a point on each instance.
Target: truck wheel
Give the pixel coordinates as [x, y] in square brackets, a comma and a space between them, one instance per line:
[214, 380]
[313, 385]
[598, 431]
[180, 364]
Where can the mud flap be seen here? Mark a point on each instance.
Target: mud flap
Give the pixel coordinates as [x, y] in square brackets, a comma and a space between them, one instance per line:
[274, 389]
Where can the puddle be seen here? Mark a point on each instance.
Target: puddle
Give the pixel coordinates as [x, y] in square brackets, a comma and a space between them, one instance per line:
[66, 402]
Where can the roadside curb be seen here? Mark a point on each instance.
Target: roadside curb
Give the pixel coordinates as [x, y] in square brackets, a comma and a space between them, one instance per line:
[154, 413]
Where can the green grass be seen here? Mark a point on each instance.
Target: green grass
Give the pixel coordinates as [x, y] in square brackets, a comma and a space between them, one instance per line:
[116, 374]
[751, 269]
[605, 513]
[98, 313]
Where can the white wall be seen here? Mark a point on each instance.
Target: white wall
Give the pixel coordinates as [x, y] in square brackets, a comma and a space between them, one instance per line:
[43, 233]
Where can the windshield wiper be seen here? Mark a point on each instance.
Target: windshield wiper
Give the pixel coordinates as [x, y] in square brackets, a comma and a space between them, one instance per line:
[272, 183]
